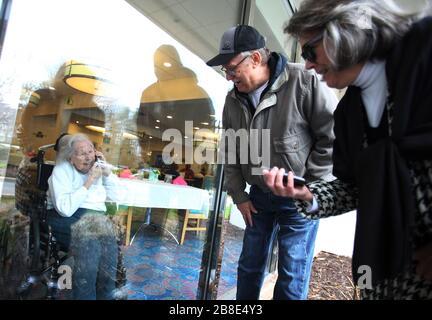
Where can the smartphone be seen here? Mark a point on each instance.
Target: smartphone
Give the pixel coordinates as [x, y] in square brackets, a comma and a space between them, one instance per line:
[298, 181]
[100, 162]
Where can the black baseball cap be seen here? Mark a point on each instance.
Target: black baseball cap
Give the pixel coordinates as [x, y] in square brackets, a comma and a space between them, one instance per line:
[236, 40]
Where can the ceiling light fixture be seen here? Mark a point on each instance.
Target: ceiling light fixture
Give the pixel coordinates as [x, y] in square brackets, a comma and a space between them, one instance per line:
[96, 128]
[88, 79]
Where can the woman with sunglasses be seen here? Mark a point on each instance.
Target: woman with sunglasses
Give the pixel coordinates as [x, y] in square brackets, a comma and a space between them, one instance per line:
[383, 147]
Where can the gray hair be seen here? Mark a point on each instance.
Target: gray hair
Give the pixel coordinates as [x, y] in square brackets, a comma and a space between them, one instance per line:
[354, 31]
[264, 52]
[66, 146]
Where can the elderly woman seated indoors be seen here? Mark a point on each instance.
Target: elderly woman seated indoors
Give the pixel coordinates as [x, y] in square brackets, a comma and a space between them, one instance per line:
[78, 189]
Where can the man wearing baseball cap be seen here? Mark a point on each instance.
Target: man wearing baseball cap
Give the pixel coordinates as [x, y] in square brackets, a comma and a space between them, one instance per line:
[297, 109]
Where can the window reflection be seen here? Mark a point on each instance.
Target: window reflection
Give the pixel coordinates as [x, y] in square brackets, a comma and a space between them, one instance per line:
[116, 90]
[172, 100]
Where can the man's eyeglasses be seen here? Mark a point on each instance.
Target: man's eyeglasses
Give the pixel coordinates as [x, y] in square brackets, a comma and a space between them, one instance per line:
[308, 49]
[231, 71]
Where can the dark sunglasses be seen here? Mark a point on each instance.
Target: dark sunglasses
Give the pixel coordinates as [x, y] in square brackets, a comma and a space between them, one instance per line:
[308, 49]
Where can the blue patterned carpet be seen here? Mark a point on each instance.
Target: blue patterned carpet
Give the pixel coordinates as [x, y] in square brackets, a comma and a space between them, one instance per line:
[160, 269]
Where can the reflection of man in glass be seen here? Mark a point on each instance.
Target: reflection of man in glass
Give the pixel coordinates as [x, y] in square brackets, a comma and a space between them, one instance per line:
[175, 98]
[37, 127]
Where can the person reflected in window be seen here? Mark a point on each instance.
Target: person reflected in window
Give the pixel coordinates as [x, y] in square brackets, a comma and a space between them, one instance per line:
[176, 91]
[176, 97]
[79, 185]
[32, 132]
[383, 146]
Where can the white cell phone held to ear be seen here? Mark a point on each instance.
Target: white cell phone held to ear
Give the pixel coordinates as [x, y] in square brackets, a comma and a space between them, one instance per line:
[100, 163]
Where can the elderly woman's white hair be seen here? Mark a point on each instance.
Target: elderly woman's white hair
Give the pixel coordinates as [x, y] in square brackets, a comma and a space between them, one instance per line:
[66, 146]
[353, 31]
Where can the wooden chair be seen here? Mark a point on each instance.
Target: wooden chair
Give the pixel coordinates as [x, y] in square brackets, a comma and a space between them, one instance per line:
[125, 214]
[192, 215]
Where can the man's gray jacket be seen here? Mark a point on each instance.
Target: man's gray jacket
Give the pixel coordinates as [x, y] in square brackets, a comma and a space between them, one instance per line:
[297, 109]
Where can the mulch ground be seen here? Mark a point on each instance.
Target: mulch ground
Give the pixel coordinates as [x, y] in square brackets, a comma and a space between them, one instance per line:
[331, 278]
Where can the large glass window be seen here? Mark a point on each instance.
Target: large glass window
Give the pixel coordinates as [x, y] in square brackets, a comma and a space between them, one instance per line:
[102, 69]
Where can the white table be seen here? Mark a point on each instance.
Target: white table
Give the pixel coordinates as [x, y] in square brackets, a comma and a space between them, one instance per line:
[158, 194]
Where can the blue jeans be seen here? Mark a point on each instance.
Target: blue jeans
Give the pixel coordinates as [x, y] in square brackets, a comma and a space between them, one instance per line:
[95, 260]
[95, 268]
[296, 240]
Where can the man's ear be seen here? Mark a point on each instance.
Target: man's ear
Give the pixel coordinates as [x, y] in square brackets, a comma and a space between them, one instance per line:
[256, 58]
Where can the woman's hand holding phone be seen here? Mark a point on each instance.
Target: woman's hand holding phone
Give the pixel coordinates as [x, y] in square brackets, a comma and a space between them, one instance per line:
[101, 163]
[298, 181]
[286, 185]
